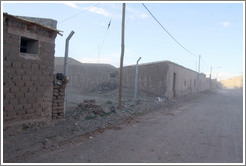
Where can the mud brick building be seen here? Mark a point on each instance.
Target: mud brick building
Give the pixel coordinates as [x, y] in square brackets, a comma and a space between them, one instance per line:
[28, 66]
[166, 79]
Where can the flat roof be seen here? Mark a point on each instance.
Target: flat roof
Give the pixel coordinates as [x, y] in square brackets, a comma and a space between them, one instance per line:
[164, 61]
[31, 22]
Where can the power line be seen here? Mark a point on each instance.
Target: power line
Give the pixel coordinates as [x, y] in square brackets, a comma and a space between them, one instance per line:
[78, 13]
[205, 63]
[106, 32]
[167, 31]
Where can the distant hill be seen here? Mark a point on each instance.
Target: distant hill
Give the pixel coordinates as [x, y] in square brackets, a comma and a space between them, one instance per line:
[59, 63]
[234, 82]
[71, 61]
[84, 77]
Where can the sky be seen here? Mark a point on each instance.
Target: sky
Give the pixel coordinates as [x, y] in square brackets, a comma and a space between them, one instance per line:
[213, 30]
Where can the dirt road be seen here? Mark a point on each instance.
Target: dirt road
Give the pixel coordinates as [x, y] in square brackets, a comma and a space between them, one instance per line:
[208, 128]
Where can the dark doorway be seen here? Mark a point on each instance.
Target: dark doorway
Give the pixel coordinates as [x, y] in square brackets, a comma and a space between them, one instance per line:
[174, 83]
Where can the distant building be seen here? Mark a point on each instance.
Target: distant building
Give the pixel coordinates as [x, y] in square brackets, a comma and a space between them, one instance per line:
[163, 78]
[28, 66]
[234, 82]
[166, 79]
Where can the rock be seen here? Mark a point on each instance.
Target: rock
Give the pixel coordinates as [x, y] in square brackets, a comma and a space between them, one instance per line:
[117, 128]
[107, 111]
[112, 109]
[98, 111]
[159, 99]
[101, 130]
[90, 115]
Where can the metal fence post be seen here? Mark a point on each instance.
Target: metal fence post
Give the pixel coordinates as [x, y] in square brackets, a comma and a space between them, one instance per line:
[136, 80]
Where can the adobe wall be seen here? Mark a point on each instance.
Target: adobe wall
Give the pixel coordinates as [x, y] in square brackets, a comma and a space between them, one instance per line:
[186, 82]
[234, 82]
[157, 78]
[27, 78]
[85, 78]
[151, 77]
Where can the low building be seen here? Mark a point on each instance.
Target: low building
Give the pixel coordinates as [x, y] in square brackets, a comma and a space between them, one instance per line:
[165, 79]
[234, 82]
[28, 66]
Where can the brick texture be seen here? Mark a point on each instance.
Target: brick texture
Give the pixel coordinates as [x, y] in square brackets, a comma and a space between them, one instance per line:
[58, 97]
[27, 79]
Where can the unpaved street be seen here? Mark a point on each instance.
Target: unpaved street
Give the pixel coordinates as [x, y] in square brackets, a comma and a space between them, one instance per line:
[206, 128]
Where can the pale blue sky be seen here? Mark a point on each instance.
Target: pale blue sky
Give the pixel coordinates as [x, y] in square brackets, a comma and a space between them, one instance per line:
[213, 30]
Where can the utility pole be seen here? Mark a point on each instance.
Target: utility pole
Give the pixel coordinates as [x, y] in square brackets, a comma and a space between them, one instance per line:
[65, 67]
[217, 73]
[199, 64]
[98, 55]
[122, 55]
[210, 76]
[210, 73]
[198, 72]
[136, 80]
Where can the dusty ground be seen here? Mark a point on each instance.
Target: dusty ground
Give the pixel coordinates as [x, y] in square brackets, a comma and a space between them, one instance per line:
[23, 141]
[201, 128]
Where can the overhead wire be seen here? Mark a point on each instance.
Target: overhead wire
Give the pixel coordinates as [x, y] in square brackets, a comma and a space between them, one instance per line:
[82, 11]
[205, 64]
[109, 24]
[106, 32]
[167, 31]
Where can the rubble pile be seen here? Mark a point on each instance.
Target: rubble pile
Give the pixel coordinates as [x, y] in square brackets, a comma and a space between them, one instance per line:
[107, 86]
[92, 109]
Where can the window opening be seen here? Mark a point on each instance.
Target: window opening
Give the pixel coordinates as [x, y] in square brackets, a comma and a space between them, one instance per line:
[28, 45]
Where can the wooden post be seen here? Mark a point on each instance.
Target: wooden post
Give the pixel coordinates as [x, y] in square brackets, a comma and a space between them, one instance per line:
[122, 56]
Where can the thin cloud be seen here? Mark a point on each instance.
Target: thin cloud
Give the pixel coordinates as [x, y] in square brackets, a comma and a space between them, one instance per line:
[97, 10]
[143, 16]
[71, 4]
[225, 24]
[134, 14]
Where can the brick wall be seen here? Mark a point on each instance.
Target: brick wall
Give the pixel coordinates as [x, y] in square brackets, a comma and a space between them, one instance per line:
[58, 97]
[151, 77]
[27, 78]
[186, 82]
[84, 77]
[157, 78]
